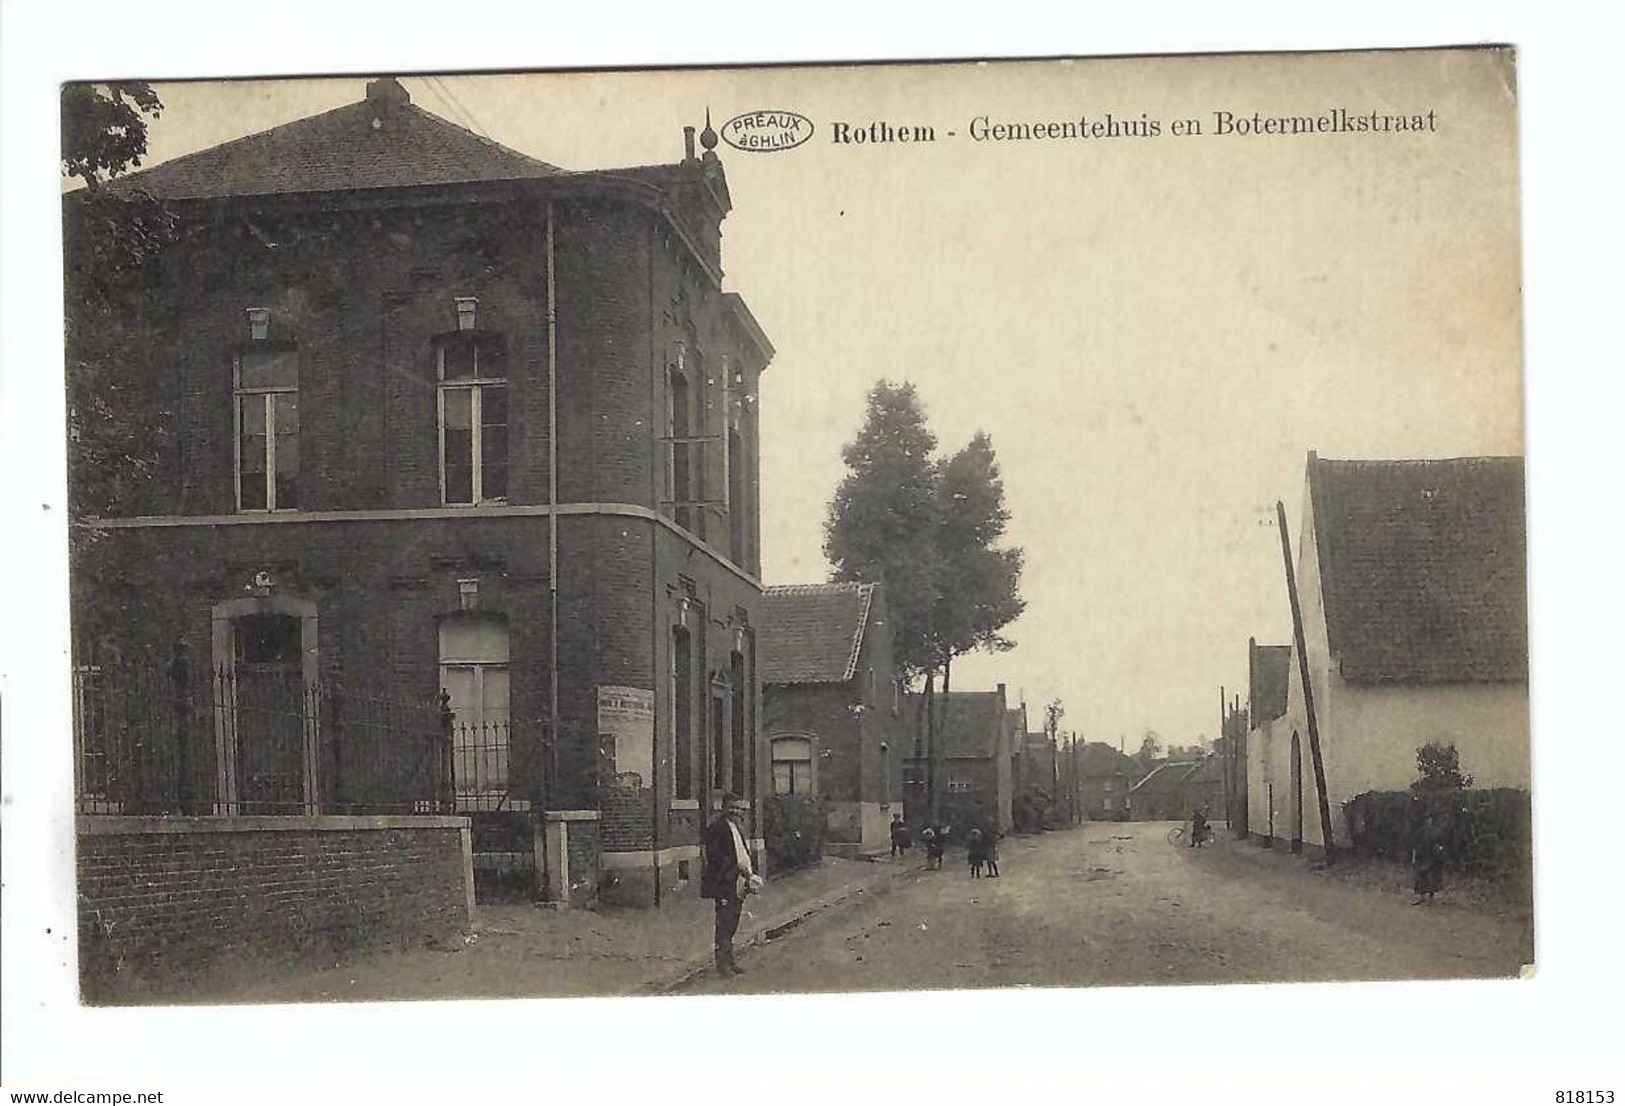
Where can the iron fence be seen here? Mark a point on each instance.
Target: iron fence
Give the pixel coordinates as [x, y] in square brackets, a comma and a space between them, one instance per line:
[266, 742]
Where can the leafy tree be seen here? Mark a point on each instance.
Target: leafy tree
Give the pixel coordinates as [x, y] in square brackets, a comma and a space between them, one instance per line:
[113, 241]
[1150, 747]
[928, 530]
[104, 128]
[1438, 768]
[1053, 713]
[883, 514]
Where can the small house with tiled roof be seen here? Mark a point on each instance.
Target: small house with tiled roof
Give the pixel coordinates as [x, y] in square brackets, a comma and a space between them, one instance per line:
[1105, 777]
[449, 420]
[1411, 579]
[1161, 794]
[970, 767]
[831, 707]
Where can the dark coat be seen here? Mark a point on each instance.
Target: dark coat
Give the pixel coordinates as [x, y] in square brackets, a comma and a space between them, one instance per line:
[719, 865]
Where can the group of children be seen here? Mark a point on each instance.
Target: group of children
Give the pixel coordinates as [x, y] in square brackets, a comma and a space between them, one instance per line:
[981, 849]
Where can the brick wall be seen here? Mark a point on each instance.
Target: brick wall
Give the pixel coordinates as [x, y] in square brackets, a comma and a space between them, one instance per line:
[363, 294]
[159, 898]
[583, 846]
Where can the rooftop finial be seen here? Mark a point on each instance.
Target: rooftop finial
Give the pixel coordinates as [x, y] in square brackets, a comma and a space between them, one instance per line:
[387, 92]
[708, 137]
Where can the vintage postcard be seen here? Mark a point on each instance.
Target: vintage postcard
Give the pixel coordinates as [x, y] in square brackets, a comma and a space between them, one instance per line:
[806, 528]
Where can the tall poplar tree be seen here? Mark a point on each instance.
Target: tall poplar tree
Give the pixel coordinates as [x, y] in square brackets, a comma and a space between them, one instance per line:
[884, 514]
[929, 530]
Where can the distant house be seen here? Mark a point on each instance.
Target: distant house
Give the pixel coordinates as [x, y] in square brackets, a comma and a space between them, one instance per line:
[1160, 795]
[974, 784]
[1411, 581]
[831, 705]
[1177, 789]
[1267, 669]
[1204, 787]
[1105, 777]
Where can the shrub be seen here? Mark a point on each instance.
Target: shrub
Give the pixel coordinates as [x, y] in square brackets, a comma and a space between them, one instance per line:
[1486, 832]
[1438, 768]
[794, 829]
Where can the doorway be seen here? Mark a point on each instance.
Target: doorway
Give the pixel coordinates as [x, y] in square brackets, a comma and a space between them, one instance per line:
[269, 716]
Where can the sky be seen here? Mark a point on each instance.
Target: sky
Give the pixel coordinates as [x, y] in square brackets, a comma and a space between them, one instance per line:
[1154, 331]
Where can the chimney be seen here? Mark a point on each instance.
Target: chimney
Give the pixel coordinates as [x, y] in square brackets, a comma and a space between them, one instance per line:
[386, 93]
[688, 143]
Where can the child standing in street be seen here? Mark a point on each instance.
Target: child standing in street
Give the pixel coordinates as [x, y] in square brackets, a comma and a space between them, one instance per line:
[1427, 862]
[933, 846]
[990, 853]
[975, 852]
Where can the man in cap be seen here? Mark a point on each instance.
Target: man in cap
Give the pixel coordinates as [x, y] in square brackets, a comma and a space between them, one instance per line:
[726, 876]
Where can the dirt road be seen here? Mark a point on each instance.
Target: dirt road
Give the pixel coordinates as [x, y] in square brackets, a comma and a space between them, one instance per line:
[1114, 904]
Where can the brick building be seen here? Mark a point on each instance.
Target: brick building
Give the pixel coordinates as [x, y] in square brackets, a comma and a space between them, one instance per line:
[974, 739]
[831, 707]
[1105, 775]
[449, 419]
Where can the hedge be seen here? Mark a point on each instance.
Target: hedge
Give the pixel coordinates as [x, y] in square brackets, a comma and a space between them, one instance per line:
[1486, 831]
[794, 828]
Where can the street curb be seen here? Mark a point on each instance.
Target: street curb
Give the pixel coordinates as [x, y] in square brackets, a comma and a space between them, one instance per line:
[772, 928]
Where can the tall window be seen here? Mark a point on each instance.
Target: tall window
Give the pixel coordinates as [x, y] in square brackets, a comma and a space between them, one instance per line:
[792, 766]
[739, 723]
[736, 497]
[473, 418]
[267, 388]
[474, 672]
[719, 747]
[679, 428]
[682, 699]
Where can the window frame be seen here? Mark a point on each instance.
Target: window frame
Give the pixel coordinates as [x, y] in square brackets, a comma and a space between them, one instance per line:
[267, 396]
[488, 797]
[476, 385]
[774, 760]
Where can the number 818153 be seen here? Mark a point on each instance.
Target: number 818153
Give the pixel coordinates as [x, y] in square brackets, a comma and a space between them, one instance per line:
[1584, 1098]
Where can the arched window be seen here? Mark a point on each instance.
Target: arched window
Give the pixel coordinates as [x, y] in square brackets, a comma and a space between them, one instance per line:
[474, 673]
[792, 766]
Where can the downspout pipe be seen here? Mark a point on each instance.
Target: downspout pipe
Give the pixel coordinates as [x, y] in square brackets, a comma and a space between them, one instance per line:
[550, 779]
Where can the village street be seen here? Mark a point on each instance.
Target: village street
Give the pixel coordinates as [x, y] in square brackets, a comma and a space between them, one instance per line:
[1115, 903]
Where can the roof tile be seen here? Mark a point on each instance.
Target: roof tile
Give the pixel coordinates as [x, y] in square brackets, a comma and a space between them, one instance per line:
[1422, 568]
[812, 633]
[373, 143]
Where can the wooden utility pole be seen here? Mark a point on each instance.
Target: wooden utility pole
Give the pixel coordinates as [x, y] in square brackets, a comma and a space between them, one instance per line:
[1308, 688]
[1224, 751]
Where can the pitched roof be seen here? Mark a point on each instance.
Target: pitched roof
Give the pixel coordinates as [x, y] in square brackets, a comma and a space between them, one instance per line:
[1165, 777]
[971, 721]
[1097, 758]
[1209, 769]
[1422, 568]
[1268, 676]
[383, 141]
[812, 633]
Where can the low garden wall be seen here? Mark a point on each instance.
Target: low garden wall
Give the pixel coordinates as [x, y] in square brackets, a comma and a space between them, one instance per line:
[165, 896]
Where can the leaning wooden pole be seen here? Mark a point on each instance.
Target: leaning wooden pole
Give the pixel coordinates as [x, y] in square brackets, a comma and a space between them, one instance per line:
[1224, 751]
[1308, 688]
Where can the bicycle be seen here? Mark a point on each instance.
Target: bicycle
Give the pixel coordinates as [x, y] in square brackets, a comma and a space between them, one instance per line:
[1179, 835]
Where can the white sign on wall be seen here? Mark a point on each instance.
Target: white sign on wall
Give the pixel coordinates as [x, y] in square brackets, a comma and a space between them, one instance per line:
[626, 731]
